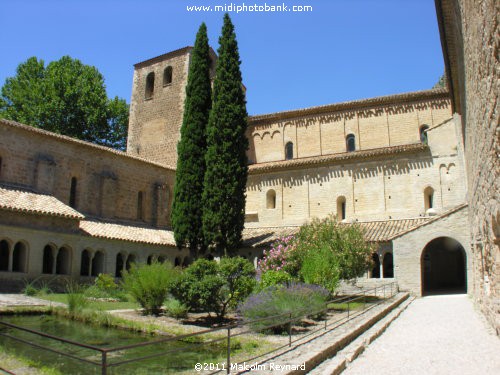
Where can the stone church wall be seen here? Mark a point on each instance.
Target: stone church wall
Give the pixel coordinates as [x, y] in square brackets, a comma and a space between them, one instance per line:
[373, 188]
[323, 130]
[107, 182]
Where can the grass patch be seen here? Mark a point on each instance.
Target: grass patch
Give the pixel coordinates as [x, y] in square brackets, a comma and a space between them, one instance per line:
[97, 305]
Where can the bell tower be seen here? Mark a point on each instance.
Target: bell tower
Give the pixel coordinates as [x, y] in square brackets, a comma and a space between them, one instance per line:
[157, 106]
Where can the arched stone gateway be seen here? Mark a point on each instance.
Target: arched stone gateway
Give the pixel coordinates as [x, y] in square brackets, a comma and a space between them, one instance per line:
[443, 266]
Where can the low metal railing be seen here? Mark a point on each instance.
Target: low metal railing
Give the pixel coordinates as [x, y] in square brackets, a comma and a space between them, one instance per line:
[342, 304]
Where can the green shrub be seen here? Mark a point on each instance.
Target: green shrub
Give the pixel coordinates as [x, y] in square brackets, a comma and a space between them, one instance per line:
[321, 267]
[36, 288]
[279, 303]
[271, 278]
[176, 309]
[209, 286]
[349, 250]
[75, 298]
[106, 282]
[149, 284]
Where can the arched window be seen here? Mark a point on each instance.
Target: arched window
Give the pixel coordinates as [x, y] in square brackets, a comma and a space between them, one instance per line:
[72, 193]
[177, 262]
[388, 266]
[85, 263]
[119, 265]
[140, 212]
[423, 133]
[341, 208]
[150, 85]
[48, 260]
[4, 255]
[428, 198]
[161, 259]
[167, 76]
[63, 261]
[98, 263]
[375, 274]
[19, 257]
[289, 151]
[271, 199]
[150, 259]
[350, 142]
[130, 260]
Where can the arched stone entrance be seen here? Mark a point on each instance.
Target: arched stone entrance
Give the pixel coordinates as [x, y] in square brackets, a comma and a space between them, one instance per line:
[443, 265]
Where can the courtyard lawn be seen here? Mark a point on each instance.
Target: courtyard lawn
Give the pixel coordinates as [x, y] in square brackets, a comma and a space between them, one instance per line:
[97, 305]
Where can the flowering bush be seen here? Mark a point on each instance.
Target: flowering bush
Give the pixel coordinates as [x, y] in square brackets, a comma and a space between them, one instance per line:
[278, 302]
[277, 258]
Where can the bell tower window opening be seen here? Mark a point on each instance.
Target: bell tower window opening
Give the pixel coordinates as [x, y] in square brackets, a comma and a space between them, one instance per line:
[150, 86]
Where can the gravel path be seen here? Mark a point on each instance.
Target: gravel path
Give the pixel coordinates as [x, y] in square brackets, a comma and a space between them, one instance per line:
[435, 335]
[20, 300]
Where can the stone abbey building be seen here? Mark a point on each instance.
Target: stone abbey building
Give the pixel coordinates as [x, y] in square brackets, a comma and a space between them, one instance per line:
[397, 165]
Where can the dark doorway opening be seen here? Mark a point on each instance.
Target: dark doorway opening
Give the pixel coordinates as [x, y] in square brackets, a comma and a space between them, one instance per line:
[443, 265]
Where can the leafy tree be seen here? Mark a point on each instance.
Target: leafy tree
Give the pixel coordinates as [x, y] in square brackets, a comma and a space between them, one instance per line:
[65, 97]
[226, 160]
[342, 246]
[214, 287]
[187, 207]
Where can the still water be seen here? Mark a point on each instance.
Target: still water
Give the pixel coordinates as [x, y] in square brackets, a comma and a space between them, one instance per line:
[183, 360]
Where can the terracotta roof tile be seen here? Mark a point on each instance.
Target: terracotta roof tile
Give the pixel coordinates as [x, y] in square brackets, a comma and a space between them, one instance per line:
[333, 158]
[375, 231]
[14, 199]
[127, 232]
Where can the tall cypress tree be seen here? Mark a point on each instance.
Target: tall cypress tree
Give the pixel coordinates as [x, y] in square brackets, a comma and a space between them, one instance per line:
[226, 159]
[187, 205]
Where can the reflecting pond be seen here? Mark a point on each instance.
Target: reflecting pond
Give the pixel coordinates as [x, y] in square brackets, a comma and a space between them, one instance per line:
[182, 360]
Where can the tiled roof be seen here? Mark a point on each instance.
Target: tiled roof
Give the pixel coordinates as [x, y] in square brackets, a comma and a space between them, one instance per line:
[382, 231]
[430, 220]
[375, 231]
[439, 93]
[14, 199]
[256, 237]
[332, 158]
[127, 232]
[67, 139]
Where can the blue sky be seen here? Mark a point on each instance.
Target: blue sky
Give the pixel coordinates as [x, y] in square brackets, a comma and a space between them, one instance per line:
[342, 50]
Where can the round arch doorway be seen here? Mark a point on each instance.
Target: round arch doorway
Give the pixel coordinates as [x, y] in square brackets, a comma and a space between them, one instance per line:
[443, 266]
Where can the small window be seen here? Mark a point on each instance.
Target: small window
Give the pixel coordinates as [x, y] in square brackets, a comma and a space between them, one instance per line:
[271, 199]
[289, 151]
[341, 208]
[428, 198]
[423, 133]
[350, 143]
[72, 193]
[167, 76]
[140, 211]
[150, 85]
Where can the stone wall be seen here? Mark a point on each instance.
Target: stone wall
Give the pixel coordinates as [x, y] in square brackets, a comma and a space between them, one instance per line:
[408, 249]
[35, 240]
[482, 147]
[376, 123]
[470, 40]
[108, 182]
[389, 186]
